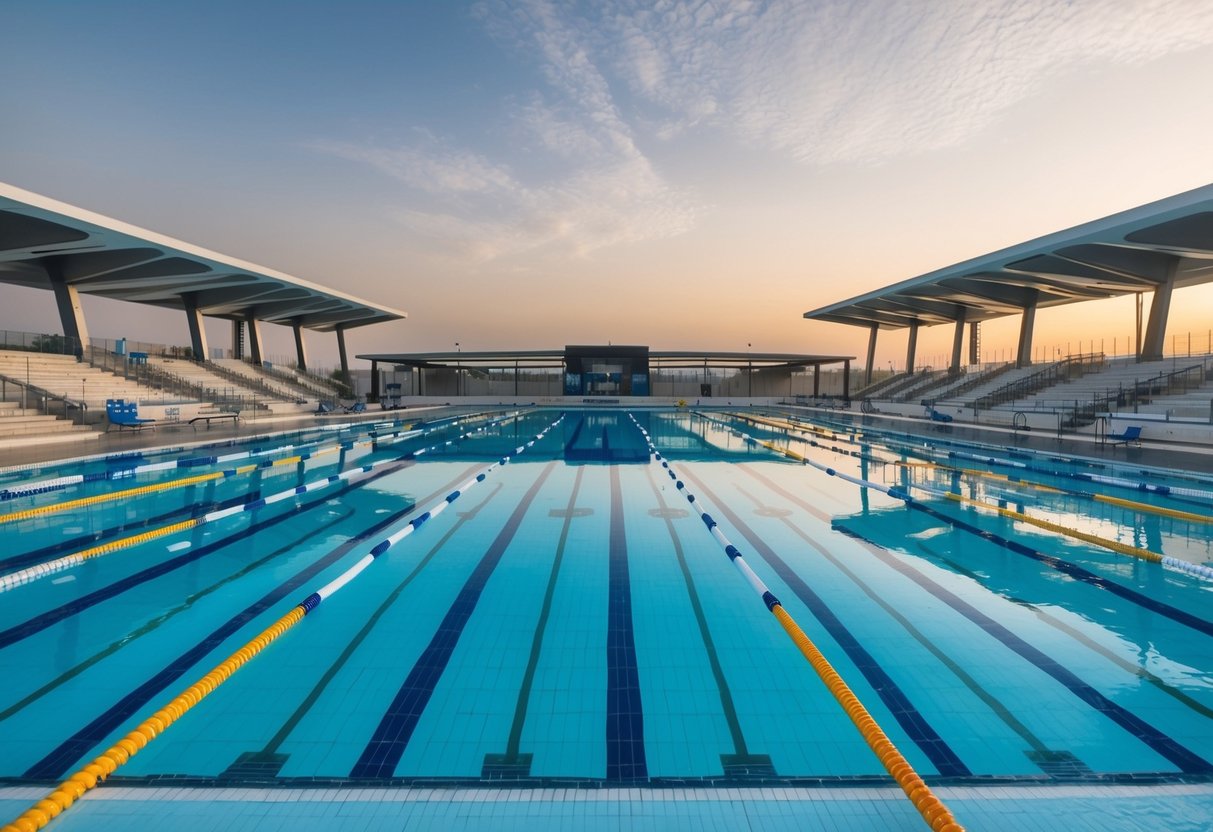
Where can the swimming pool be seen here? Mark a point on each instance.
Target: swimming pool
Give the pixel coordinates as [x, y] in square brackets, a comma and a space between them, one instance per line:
[570, 622]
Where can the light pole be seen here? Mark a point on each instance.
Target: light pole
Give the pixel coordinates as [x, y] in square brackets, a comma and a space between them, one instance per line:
[458, 372]
[749, 363]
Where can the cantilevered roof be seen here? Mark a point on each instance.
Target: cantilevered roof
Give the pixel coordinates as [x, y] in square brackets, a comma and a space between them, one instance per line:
[658, 359]
[40, 237]
[1129, 252]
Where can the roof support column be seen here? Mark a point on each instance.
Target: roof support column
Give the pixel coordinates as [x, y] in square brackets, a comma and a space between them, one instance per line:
[254, 340]
[71, 314]
[300, 352]
[238, 339]
[374, 394]
[193, 317]
[867, 374]
[1156, 324]
[974, 342]
[345, 361]
[912, 346]
[817, 380]
[846, 380]
[957, 342]
[1023, 357]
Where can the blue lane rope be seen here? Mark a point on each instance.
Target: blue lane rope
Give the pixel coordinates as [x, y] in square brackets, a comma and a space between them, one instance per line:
[1195, 569]
[33, 573]
[57, 483]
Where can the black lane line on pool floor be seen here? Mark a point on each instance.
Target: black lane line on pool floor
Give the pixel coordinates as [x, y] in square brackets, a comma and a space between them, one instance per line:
[513, 764]
[1185, 760]
[268, 762]
[1165, 746]
[40, 622]
[911, 720]
[626, 760]
[387, 744]
[1042, 753]
[56, 763]
[1057, 624]
[154, 624]
[741, 763]
[1071, 570]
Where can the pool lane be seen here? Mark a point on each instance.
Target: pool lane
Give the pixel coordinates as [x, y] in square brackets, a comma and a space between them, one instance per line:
[1166, 747]
[386, 746]
[912, 721]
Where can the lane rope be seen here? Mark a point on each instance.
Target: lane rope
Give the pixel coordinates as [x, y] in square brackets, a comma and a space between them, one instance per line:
[930, 807]
[44, 486]
[1195, 569]
[33, 573]
[95, 772]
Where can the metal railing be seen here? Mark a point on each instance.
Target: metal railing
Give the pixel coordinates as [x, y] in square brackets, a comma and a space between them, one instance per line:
[1081, 412]
[45, 402]
[973, 381]
[151, 375]
[1067, 369]
[38, 342]
[260, 385]
[311, 382]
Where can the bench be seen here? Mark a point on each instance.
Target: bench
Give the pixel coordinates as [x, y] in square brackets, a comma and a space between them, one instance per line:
[210, 417]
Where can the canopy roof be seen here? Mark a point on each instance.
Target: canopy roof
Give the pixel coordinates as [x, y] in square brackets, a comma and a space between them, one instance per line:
[658, 359]
[40, 237]
[1133, 251]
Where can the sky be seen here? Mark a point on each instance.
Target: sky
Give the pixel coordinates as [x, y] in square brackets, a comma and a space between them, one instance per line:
[686, 175]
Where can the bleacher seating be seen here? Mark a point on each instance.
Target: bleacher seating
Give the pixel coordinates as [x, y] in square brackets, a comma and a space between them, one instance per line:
[275, 382]
[199, 374]
[16, 422]
[62, 375]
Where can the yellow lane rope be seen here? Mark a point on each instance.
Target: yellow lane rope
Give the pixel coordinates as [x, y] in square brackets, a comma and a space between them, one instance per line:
[68, 505]
[932, 809]
[1057, 528]
[1132, 505]
[87, 777]
[90, 775]
[113, 495]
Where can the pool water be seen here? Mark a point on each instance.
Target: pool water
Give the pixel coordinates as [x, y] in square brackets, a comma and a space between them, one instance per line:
[571, 621]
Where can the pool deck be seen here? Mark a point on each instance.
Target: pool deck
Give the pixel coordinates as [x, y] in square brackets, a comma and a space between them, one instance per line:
[1177, 808]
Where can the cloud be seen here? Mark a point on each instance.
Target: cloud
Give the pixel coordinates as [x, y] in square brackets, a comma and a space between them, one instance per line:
[822, 83]
[428, 167]
[829, 82]
[592, 187]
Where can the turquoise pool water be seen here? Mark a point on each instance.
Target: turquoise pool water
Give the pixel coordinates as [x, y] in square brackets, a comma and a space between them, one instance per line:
[570, 621]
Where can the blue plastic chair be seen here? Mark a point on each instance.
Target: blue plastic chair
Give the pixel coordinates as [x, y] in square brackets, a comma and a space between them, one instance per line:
[123, 414]
[1132, 434]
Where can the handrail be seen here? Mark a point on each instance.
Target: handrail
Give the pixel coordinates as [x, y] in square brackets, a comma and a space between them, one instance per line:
[46, 396]
[1074, 366]
[308, 381]
[926, 382]
[973, 381]
[158, 377]
[1111, 400]
[259, 384]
